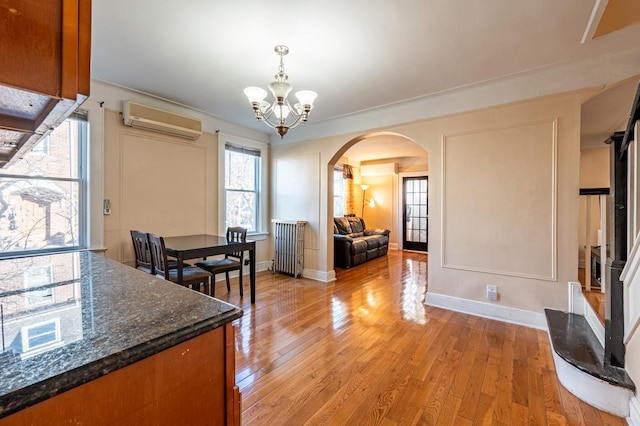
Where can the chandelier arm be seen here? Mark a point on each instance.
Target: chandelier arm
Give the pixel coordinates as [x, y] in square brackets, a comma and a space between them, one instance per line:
[297, 121]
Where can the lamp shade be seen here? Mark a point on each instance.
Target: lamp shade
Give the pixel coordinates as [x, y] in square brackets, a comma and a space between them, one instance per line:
[306, 97]
[281, 111]
[280, 89]
[255, 94]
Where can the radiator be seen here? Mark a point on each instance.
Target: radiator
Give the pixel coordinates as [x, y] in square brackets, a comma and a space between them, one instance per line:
[289, 247]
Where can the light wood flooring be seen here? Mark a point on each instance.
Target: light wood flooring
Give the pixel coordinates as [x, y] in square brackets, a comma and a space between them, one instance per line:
[365, 350]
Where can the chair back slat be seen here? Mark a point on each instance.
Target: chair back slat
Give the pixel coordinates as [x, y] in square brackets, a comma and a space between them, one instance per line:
[239, 235]
[141, 250]
[159, 255]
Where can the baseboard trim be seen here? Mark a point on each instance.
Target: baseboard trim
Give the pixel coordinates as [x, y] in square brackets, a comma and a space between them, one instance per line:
[634, 412]
[488, 310]
[322, 276]
[594, 322]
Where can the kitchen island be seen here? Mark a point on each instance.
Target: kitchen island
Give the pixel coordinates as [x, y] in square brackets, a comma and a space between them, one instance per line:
[87, 340]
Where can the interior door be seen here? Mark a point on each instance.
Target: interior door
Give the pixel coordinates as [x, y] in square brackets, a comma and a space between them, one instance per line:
[415, 213]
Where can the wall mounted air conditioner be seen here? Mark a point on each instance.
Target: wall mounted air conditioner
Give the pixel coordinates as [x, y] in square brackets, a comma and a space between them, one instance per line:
[157, 120]
[378, 169]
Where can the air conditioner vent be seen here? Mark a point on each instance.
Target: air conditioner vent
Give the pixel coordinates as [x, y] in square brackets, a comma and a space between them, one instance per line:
[157, 120]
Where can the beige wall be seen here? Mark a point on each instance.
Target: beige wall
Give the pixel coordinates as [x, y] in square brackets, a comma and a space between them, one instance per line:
[383, 189]
[594, 173]
[530, 274]
[160, 184]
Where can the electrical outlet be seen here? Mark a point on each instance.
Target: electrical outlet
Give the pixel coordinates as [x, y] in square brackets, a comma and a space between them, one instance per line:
[492, 292]
[246, 262]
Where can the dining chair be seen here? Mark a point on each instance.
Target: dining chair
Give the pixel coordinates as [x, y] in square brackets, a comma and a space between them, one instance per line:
[231, 261]
[141, 250]
[192, 276]
[144, 262]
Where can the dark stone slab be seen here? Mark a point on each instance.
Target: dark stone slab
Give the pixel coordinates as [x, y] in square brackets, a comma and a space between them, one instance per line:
[574, 341]
[70, 318]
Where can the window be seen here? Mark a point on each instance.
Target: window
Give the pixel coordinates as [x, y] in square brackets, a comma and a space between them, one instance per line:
[40, 337]
[243, 195]
[42, 195]
[338, 193]
[241, 171]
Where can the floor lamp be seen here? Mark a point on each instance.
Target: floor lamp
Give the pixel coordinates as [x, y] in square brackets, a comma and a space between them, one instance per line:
[371, 202]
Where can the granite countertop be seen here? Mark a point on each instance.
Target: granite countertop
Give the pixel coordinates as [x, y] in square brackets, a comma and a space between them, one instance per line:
[67, 319]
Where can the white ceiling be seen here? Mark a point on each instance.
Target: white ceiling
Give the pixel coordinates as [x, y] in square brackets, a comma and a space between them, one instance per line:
[358, 55]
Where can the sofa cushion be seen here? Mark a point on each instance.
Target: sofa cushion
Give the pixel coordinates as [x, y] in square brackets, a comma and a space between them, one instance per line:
[372, 242]
[358, 246]
[343, 225]
[377, 231]
[335, 228]
[357, 224]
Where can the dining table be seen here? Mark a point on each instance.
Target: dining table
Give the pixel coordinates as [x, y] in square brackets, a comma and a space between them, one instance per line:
[200, 246]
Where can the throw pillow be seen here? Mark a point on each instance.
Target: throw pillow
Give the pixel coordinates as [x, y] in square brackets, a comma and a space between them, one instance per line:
[343, 225]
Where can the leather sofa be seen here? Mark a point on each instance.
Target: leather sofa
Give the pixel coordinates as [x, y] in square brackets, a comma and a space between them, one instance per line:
[354, 244]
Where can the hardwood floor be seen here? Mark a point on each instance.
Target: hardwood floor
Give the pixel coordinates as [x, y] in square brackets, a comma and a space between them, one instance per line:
[364, 350]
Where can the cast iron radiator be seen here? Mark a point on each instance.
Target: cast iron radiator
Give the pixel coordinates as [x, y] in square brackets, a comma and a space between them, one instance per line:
[289, 247]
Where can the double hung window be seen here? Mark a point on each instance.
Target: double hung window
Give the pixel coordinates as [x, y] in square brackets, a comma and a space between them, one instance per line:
[243, 190]
[242, 169]
[43, 194]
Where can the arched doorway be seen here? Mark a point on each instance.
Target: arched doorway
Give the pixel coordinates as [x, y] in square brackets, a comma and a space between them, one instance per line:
[380, 162]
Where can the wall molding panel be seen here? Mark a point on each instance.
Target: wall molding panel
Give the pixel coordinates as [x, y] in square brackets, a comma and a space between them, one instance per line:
[521, 160]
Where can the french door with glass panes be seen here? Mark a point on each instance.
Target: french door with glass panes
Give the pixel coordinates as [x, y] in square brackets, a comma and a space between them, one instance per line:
[415, 215]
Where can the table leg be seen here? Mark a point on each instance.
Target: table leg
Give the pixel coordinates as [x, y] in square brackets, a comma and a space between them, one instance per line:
[252, 273]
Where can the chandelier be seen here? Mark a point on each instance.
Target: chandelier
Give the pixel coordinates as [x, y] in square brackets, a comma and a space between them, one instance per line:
[275, 114]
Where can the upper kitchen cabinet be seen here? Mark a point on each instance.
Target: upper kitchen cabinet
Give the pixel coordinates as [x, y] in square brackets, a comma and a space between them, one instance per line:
[45, 66]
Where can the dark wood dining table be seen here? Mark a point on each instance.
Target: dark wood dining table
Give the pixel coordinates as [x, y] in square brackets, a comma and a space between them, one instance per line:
[200, 246]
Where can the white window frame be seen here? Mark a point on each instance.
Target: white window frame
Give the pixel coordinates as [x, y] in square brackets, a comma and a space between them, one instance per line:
[262, 188]
[82, 180]
[338, 169]
[28, 350]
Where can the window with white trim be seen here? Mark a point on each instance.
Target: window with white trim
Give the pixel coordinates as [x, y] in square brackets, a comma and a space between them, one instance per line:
[338, 192]
[43, 194]
[243, 194]
[37, 338]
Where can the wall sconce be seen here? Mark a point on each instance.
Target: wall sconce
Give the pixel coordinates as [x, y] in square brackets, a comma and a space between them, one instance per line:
[371, 201]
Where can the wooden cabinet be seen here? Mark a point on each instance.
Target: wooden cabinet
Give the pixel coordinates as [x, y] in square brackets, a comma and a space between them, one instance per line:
[45, 61]
[191, 383]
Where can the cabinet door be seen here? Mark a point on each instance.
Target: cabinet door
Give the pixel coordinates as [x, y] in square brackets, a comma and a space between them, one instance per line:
[31, 46]
[45, 61]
